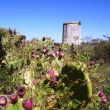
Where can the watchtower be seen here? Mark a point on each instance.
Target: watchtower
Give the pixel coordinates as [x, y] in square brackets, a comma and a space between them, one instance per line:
[71, 33]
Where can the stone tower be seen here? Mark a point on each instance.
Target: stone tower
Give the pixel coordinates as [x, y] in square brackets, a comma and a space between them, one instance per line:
[71, 33]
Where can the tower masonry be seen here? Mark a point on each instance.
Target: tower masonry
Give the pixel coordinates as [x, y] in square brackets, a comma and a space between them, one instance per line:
[71, 33]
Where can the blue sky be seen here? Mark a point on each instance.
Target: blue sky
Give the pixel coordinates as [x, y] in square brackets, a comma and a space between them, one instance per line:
[37, 18]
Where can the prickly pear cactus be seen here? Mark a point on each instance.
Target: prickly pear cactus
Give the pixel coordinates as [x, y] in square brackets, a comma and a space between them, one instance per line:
[76, 75]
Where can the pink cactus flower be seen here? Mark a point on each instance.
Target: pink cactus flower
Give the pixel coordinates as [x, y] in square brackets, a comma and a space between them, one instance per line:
[103, 97]
[45, 50]
[51, 73]
[27, 104]
[21, 91]
[101, 94]
[54, 79]
[3, 101]
[57, 53]
[104, 100]
[14, 99]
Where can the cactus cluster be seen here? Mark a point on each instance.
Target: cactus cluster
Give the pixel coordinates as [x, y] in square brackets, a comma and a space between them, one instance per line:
[51, 74]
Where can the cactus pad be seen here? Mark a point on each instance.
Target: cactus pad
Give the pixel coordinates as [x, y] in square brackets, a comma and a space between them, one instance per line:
[81, 88]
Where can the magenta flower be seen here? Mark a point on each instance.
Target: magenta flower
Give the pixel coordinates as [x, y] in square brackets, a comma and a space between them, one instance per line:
[61, 54]
[33, 56]
[102, 96]
[14, 99]
[45, 50]
[27, 104]
[104, 100]
[54, 79]
[57, 53]
[51, 73]
[21, 91]
[3, 101]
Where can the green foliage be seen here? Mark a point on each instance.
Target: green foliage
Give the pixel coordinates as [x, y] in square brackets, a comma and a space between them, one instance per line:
[72, 88]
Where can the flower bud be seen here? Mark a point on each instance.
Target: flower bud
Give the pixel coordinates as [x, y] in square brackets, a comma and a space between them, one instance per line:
[27, 104]
[14, 99]
[21, 91]
[3, 101]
